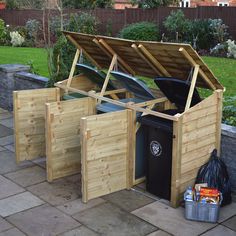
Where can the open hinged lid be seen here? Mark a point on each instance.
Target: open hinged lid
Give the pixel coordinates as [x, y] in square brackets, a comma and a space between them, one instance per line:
[150, 59]
[177, 91]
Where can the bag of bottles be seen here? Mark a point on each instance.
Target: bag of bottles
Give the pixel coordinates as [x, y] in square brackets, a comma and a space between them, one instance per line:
[215, 174]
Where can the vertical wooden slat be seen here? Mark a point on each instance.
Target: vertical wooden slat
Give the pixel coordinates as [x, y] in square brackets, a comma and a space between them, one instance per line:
[176, 162]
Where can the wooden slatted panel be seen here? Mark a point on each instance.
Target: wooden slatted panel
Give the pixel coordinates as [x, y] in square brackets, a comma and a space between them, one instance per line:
[29, 121]
[199, 138]
[167, 54]
[105, 151]
[63, 136]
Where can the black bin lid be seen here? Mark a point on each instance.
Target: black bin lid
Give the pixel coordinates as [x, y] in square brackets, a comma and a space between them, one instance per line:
[177, 91]
[134, 85]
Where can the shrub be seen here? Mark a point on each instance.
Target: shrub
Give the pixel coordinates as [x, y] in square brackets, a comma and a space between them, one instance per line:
[218, 30]
[33, 27]
[16, 39]
[176, 23]
[4, 33]
[145, 31]
[220, 50]
[229, 111]
[200, 31]
[231, 49]
[61, 55]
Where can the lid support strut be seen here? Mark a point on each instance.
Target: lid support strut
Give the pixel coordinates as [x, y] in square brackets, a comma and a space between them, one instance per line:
[72, 70]
[112, 65]
[193, 63]
[136, 49]
[122, 63]
[191, 90]
[153, 60]
[84, 52]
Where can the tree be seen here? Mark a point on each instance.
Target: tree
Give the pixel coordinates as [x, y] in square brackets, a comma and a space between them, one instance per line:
[89, 4]
[153, 3]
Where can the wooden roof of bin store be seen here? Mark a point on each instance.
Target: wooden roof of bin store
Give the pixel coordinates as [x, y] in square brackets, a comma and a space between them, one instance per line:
[149, 59]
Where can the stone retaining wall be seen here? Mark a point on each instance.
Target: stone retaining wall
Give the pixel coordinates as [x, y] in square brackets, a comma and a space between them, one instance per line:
[17, 77]
[228, 152]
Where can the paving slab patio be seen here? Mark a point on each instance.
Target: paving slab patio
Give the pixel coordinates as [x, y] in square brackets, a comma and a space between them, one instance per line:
[8, 163]
[58, 192]
[128, 200]
[5, 131]
[80, 231]
[230, 223]
[4, 225]
[29, 205]
[18, 203]
[43, 220]
[12, 232]
[171, 220]
[108, 219]
[28, 176]
[220, 230]
[8, 188]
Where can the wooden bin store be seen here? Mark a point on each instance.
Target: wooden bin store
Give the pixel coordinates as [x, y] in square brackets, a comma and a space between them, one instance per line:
[74, 138]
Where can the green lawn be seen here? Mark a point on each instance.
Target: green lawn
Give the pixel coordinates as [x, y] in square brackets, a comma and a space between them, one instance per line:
[35, 56]
[223, 68]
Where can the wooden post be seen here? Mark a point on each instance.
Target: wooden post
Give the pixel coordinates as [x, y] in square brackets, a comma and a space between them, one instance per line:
[176, 162]
[153, 60]
[191, 90]
[130, 168]
[193, 63]
[83, 140]
[113, 62]
[72, 70]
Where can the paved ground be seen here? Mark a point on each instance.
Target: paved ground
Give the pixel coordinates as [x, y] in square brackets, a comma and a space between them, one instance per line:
[31, 206]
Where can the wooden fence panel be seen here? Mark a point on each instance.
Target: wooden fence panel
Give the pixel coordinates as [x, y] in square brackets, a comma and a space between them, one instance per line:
[111, 21]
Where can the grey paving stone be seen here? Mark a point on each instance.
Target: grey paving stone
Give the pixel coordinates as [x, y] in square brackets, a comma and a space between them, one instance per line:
[28, 176]
[8, 122]
[4, 225]
[40, 161]
[128, 200]
[2, 149]
[12, 232]
[10, 147]
[159, 233]
[220, 230]
[231, 223]
[7, 140]
[227, 212]
[8, 163]
[107, 219]
[171, 220]
[58, 192]
[4, 131]
[43, 220]
[17, 203]
[80, 231]
[5, 115]
[77, 205]
[8, 188]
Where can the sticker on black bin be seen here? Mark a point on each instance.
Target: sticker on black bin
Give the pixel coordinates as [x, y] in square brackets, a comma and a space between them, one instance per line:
[155, 148]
